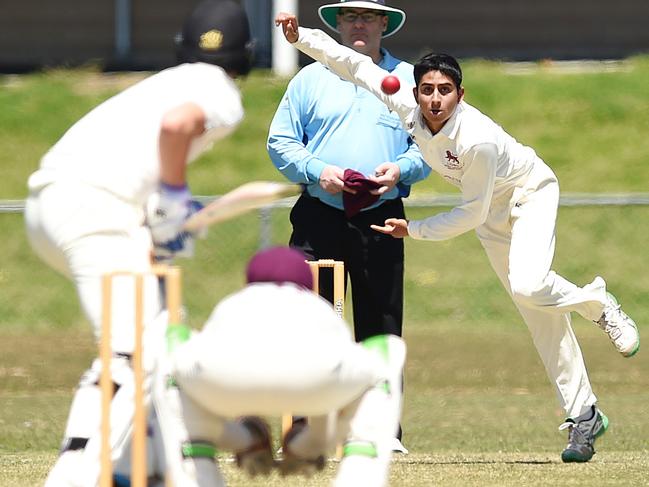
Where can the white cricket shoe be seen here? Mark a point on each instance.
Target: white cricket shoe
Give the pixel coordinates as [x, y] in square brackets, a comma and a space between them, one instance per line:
[619, 327]
[397, 447]
[63, 472]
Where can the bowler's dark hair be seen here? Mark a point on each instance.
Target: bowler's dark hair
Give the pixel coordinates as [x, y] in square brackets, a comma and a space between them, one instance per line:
[444, 63]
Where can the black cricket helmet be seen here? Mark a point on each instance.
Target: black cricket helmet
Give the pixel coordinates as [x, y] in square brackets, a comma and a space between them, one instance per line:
[217, 32]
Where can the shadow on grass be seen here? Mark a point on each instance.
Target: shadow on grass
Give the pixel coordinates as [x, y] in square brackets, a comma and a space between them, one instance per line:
[472, 462]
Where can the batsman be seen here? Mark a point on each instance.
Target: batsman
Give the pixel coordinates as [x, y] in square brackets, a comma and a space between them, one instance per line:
[114, 187]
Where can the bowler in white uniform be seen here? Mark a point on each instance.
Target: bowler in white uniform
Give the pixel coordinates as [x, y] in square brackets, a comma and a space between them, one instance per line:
[510, 198]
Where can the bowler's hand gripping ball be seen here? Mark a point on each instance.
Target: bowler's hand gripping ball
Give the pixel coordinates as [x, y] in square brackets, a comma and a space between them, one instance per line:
[390, 85]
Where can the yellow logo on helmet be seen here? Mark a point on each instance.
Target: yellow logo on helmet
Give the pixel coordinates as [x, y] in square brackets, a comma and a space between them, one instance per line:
[211, 40]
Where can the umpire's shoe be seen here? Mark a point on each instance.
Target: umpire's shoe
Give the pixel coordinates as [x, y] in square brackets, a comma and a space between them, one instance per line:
[582, 435]
[619, 327]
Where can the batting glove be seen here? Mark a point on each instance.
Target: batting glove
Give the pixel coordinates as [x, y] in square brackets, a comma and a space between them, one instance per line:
[167, 212]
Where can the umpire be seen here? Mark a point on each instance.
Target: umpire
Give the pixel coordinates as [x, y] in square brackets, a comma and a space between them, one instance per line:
[357, 164]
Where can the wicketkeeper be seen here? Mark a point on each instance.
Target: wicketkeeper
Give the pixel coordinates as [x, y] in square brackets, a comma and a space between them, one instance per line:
[510, 198]
[114, 187]
[276, 347]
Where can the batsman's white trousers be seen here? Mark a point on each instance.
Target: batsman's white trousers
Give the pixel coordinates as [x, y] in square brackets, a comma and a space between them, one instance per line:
[519, 238]
[83, 232]
[271, 349]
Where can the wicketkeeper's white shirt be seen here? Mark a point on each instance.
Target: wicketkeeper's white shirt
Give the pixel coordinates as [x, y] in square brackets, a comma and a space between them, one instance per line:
[270, 349]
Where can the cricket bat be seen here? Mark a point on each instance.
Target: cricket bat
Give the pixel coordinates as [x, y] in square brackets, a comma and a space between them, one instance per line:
[246, 197]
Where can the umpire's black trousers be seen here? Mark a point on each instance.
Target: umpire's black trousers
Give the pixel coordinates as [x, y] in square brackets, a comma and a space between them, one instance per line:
[373, 261]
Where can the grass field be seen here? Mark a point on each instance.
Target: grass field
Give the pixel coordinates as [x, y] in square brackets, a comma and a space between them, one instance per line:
[478, 409]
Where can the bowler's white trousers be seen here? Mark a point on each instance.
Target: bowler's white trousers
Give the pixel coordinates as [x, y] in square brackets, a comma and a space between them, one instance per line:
[519, 239]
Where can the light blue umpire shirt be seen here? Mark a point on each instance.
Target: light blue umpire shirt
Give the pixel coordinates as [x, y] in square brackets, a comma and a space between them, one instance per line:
[323, 119]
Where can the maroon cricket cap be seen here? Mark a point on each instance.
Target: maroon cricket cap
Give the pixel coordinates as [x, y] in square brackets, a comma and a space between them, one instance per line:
[280, 264]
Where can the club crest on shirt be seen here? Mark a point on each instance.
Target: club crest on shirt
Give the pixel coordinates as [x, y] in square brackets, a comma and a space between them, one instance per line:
[452, 161]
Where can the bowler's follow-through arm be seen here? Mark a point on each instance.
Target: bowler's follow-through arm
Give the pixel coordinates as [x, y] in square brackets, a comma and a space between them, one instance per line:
[346, 63]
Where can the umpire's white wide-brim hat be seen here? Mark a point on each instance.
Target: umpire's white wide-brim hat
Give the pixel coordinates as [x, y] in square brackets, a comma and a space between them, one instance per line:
[396, 17]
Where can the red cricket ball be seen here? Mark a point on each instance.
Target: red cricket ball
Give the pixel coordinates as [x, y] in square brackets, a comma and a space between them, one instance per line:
[390, 85]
